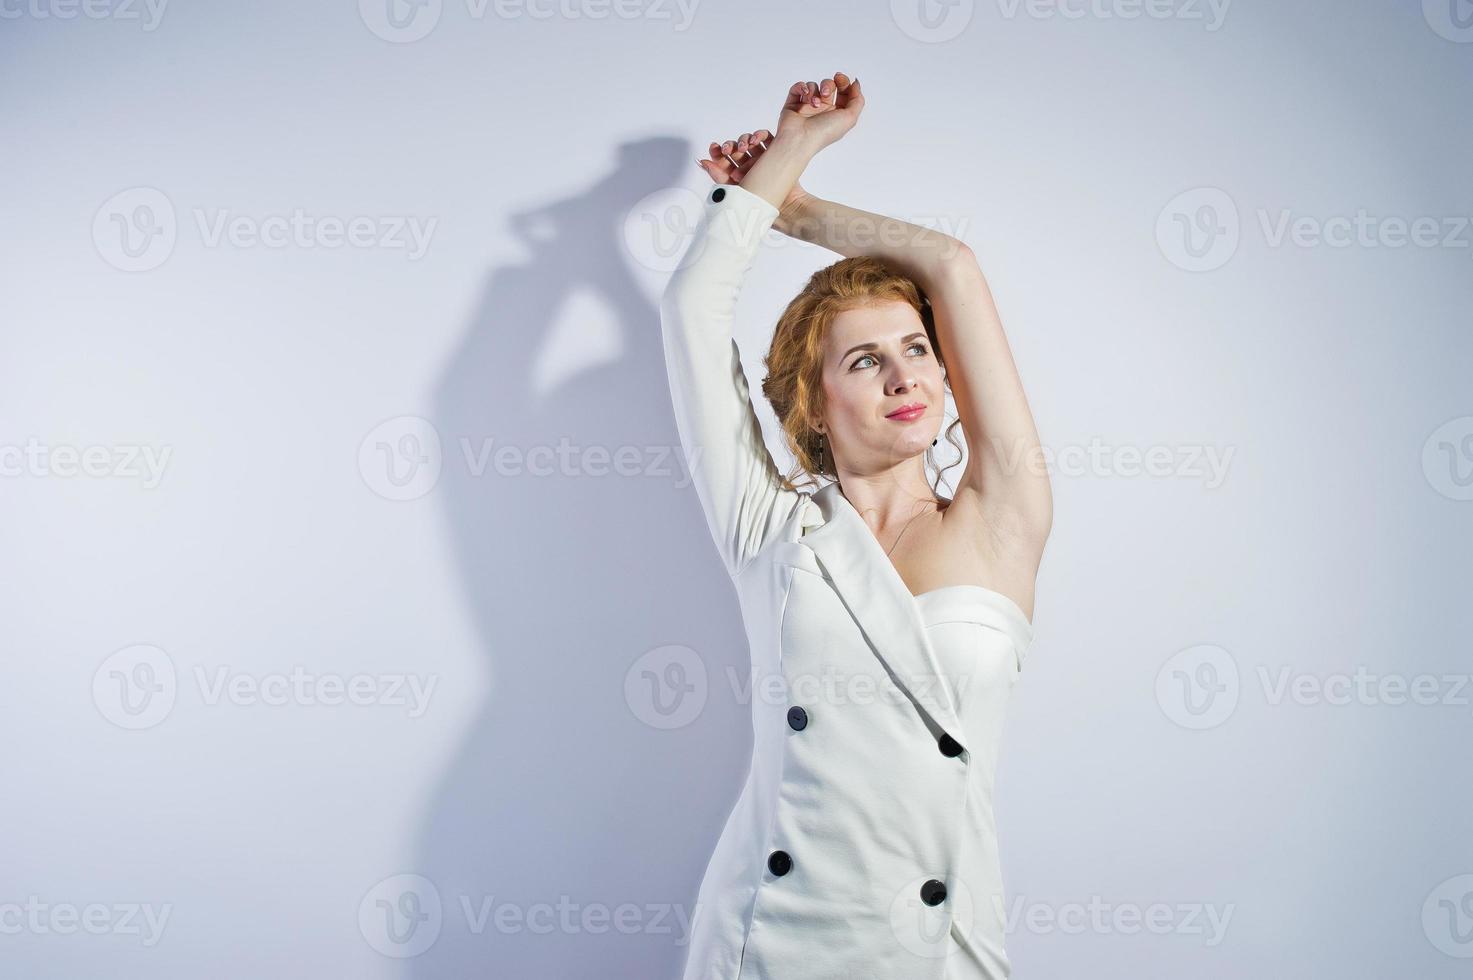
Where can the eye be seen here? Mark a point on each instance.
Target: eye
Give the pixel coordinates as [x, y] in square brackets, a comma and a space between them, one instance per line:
[916, 345]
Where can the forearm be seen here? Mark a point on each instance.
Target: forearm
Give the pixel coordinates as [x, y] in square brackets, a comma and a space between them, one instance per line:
[919, 252]
[736, 479]
[774, 175]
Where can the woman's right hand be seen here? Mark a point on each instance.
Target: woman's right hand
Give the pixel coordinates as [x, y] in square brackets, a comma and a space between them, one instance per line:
[730, 161]
[821, 112]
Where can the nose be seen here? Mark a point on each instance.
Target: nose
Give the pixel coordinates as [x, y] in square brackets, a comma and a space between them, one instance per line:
[900, 381]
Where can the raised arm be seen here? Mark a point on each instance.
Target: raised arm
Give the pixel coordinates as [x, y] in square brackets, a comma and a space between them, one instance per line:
[734, 476]
[738, 484]
[1004, 477]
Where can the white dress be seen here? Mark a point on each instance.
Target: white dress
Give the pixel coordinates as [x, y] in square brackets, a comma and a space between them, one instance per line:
[981, 670]
[862, 845]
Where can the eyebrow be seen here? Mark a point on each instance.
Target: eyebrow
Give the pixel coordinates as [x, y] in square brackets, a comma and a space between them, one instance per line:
[874, 346]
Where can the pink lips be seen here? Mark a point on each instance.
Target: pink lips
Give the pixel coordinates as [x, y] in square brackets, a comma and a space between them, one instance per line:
[907, 413]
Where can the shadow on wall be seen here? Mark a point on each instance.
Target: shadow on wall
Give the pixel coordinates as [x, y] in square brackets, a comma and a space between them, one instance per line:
[562, 804]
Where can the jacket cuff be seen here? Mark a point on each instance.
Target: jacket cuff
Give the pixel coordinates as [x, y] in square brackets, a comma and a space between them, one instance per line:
[738, 217]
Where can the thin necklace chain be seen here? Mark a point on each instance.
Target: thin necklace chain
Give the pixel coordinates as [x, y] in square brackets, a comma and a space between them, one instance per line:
[902, 533]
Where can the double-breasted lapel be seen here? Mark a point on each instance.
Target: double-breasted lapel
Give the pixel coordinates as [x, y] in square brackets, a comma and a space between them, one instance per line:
[880, 602]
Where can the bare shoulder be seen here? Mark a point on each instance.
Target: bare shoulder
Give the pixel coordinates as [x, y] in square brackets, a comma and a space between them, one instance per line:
[996, 545]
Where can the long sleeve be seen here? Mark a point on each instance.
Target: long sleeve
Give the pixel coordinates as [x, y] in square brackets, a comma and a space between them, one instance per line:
[734, 476]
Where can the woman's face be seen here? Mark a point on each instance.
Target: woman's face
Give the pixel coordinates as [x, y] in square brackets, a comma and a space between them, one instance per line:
[877, 360]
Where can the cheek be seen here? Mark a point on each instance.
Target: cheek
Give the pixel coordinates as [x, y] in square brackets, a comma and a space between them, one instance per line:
[848, 401]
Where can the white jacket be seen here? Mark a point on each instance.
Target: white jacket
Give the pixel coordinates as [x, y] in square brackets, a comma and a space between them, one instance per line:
[862, 843]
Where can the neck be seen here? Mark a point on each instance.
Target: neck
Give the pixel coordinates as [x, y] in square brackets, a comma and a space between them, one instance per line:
[890, 498]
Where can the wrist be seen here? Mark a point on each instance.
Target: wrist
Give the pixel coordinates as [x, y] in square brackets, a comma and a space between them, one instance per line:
[800, 142]
[790, 214]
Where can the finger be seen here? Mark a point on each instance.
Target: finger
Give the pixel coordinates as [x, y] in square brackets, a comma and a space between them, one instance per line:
[842, 87]
[721, 165]
[812, 94]
[826, 91]
[739, 152]
[743, 155]
[796, 97]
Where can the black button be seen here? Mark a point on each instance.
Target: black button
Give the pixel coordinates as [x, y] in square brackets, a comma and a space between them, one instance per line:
[950, 747]
[718, 193]
[933, 892]
[797, 718]
[779, 863]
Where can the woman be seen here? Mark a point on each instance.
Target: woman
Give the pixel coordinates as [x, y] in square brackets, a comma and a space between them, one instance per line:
[890, 621]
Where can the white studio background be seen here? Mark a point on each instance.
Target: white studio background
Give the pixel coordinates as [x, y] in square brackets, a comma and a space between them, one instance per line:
[326, 613]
